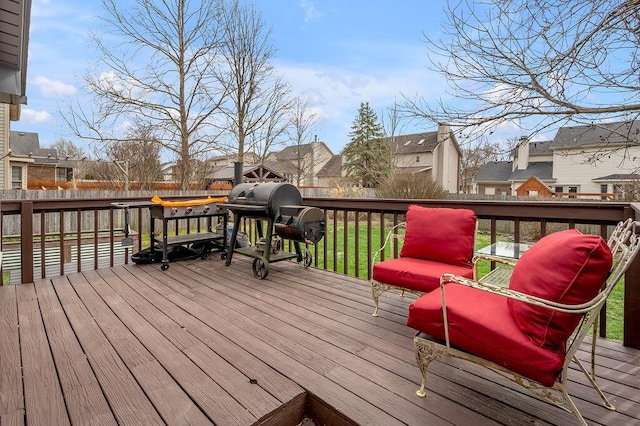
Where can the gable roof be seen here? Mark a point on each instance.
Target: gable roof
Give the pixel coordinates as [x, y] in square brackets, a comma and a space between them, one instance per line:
[623, 132]
[28, 143]
[332, 168]
[413, 143]
[494, 171]
[540, 148]
[542, 170]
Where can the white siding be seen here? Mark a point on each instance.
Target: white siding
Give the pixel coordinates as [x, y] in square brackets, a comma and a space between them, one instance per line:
[579, 168]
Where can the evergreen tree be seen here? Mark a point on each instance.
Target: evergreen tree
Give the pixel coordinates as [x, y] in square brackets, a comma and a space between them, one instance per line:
[368, 159]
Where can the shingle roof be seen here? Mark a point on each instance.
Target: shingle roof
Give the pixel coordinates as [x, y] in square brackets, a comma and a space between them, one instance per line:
[542, 170]
[494, 171]
[590, 135]
[414, 143]
[620, 176]
[332, 168]
[540, 148]
[27, 143]
[291, 152]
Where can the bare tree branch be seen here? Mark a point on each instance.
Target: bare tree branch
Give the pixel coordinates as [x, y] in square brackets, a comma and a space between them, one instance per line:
[541, 63]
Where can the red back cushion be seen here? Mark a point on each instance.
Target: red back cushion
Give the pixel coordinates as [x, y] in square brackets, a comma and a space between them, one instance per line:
[439, 234]
[567, 267]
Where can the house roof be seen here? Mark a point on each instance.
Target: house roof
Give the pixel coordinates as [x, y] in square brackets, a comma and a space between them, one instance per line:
[540, 148]
[292, 152]
[14, 49]
[618, 177]
[332, 168]
[28, 143]
[622, 132]
[494, 171]
[414, 143]
[542, 170]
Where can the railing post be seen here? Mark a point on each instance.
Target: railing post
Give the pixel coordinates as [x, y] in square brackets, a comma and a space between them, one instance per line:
[631, 325]
[26, 241]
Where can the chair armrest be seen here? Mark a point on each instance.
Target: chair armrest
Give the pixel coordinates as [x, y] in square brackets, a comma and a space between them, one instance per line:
[393, 234]
[478, 257]
[523, 297]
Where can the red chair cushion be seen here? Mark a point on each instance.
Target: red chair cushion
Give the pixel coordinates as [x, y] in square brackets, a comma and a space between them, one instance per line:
[440, 234]
[566, 267]
[416, 274]
[480, 324]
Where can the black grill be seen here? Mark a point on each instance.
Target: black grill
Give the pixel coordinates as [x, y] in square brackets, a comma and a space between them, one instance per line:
[280, 204]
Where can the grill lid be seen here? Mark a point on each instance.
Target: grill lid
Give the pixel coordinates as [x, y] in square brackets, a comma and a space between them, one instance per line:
[265, 197]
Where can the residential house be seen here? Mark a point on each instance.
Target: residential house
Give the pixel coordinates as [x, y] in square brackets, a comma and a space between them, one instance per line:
[431, 154]
[31, 164]
[588, 161]
[300, 164]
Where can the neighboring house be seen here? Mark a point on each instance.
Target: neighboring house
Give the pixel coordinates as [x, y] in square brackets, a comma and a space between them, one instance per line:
[330, 174]
[14, 49]
[595, 161]
[431, 154]
[31, 164]
[300, 164]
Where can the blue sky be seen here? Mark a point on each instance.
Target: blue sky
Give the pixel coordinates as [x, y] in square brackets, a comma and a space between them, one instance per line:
[337, 52]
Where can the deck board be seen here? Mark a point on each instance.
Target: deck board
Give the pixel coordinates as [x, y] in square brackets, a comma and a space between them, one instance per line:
[203, 343]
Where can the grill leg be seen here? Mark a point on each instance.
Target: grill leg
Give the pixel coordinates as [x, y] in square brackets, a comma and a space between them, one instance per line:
[234, 237]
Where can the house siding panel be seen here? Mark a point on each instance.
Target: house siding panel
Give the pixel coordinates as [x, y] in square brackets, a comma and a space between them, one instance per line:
[575, 167]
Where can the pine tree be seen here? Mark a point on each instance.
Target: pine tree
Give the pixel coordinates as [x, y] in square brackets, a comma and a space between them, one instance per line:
[368, 160]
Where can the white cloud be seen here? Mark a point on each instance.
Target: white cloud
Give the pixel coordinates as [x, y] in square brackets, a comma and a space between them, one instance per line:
[53, 88]
[31, 116]
[310, 10]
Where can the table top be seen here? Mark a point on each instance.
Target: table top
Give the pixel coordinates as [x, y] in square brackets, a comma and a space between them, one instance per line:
[504, 249]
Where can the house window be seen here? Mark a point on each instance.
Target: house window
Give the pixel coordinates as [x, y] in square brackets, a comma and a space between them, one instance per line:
[16, 177]
[603, 190]
[417, 158]
[63, 174]
[559, 189]
[573, 189]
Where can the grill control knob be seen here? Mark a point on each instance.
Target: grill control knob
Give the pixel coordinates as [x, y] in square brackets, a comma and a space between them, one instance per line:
[188, 210]
[206, 209]
[174, 210]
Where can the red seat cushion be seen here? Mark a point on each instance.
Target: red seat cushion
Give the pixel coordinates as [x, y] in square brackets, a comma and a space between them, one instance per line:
[480, 324]
[416, 274]
[566, 267]
[440, 234]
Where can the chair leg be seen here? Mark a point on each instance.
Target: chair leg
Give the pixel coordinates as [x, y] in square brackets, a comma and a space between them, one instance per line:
[592, 380]
[376, 290]
[426, 351]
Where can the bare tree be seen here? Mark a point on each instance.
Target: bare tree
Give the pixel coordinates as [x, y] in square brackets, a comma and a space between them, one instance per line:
[255, 93]
[156, 68]
[477, 156]
[302, 121]
[540, 63]
[66, 148]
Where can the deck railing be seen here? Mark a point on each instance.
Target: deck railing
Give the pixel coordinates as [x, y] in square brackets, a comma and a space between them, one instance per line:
[355, 228]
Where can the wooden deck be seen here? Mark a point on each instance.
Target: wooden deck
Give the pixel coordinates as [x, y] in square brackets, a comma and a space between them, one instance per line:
[203, 343]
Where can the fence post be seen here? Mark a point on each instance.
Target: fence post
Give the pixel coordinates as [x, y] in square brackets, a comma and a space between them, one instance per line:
[26, 241]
